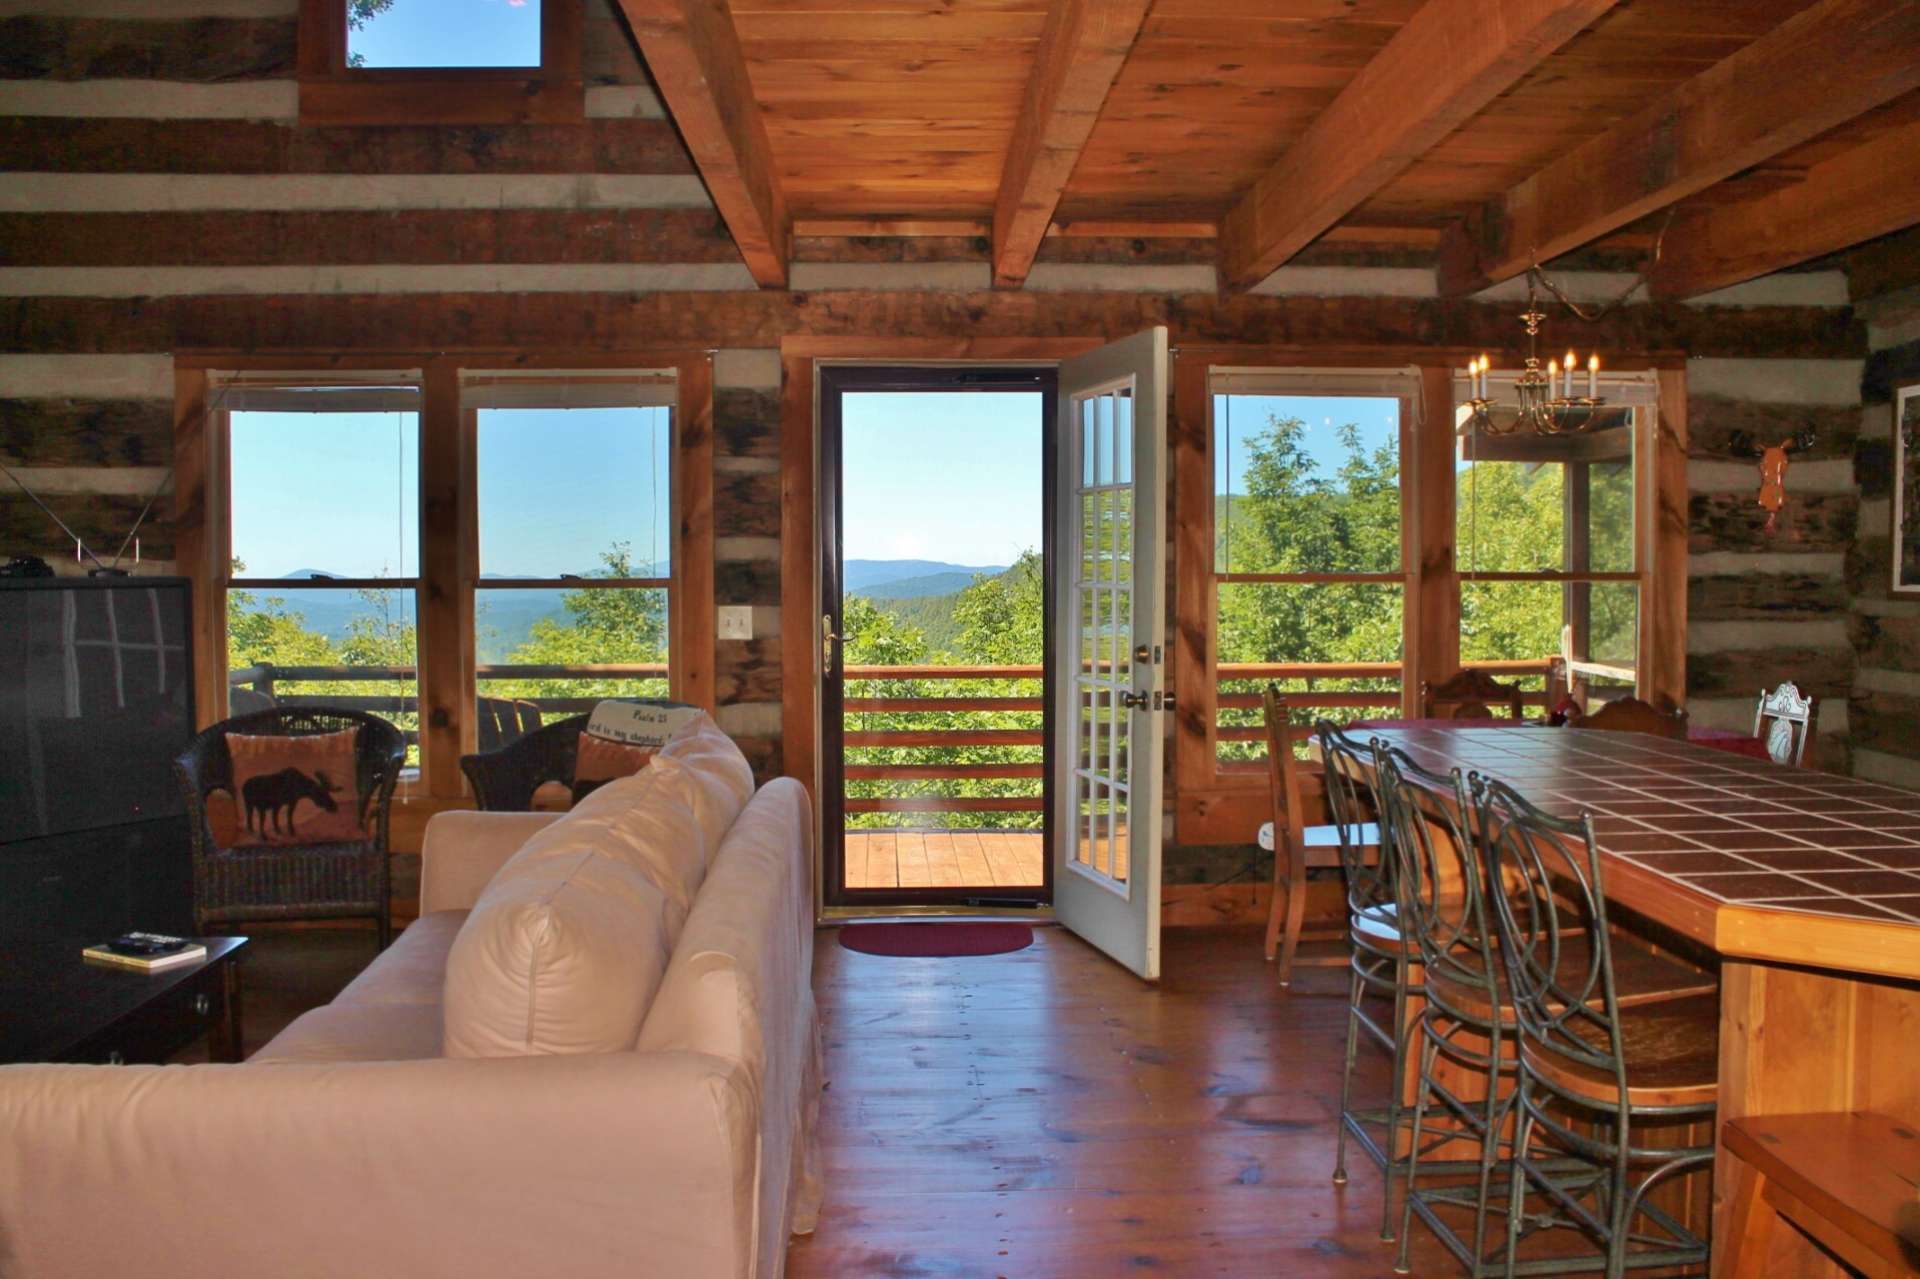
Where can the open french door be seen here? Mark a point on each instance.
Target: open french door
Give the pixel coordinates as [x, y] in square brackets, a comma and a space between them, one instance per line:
[1110, 624]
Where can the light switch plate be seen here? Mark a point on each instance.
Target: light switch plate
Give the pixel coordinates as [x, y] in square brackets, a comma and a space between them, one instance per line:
[736, 621]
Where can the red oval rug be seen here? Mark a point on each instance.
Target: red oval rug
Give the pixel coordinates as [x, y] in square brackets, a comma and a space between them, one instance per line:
[936, 941]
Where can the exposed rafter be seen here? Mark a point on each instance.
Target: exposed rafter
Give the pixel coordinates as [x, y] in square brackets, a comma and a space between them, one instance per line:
[1450, 60]
[694, 53]
[1081, 51]
[1821, 68]
[1871, 190]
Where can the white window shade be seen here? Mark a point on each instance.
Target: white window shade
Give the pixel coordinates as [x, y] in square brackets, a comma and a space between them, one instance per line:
[381, 391]
[1375, 383]
[569, 389]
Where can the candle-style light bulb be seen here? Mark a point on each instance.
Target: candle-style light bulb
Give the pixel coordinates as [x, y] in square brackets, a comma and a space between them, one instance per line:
[1568, 367]
[1593, 377]
[1553, 376]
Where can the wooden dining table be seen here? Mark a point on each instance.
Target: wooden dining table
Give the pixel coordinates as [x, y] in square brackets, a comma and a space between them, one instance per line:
[1805, 884]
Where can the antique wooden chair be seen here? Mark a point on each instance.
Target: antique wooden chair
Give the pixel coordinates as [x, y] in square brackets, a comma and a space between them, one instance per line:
[1298, 847]
[1631, 715]
[1784, 720]
[350, 879]
[1469, 694]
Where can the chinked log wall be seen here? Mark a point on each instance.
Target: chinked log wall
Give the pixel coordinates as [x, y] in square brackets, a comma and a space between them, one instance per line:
[158, 195]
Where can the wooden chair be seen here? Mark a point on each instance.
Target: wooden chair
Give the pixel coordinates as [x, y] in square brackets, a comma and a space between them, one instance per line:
[1846, 1180]
[505, 719]
[1470, 694]
[1591, 1069]
[1297, 847]
[350, 879]
[1631, 715]
[1784, 721]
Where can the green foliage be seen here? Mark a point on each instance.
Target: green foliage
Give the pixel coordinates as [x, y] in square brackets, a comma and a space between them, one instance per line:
[605, 626]
[359, 14]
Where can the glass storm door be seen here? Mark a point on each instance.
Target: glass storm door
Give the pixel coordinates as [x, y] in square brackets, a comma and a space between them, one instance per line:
[1111, 618]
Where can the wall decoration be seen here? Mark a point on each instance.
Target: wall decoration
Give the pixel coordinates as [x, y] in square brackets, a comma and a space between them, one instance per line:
[1906, 488]
[1773, 468]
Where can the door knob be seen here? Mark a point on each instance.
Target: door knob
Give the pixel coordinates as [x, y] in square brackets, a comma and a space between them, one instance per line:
[1134, 701]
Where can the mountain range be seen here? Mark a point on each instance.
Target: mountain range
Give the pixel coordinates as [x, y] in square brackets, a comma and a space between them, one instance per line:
[506, 617]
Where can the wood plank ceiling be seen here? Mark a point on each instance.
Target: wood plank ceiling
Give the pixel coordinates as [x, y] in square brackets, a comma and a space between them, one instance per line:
[1260, 120]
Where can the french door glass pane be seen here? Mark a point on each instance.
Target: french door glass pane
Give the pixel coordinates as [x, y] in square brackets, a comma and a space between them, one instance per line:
[1104, 620]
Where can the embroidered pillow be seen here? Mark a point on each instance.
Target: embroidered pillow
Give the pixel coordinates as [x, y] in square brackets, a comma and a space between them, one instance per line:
[599, 761]
[296, 790]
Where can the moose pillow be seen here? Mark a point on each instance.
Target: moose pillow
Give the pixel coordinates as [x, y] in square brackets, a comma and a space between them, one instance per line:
[296, 790]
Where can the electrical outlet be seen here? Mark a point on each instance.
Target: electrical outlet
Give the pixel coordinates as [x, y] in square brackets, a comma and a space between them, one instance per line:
[736, 621]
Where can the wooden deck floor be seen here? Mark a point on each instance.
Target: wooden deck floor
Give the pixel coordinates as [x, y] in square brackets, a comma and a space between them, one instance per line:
[945, 859]
[1044, 1114]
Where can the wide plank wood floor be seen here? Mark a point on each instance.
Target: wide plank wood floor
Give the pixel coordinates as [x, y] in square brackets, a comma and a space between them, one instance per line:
[1046, 1114]
[945, 859]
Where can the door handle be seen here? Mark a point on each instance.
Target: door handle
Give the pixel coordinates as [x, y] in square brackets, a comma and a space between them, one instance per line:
[827, 640]
[1134, 701]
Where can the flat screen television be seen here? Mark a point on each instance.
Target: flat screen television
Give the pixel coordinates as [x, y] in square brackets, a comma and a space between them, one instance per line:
[96, 700]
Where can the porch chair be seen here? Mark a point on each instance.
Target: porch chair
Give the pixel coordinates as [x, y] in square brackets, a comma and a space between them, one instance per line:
[1592, 1070]
[1784, 720]
[1469, 694]
[505, 719]
[341, 880]
[1298, 848]
[1631, 715]
[504, 779]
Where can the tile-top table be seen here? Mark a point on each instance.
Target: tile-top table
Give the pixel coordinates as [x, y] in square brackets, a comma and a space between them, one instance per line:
[1807, 884]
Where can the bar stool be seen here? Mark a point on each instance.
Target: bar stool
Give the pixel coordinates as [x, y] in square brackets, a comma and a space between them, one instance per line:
[1590, 1068]
[1379, 961]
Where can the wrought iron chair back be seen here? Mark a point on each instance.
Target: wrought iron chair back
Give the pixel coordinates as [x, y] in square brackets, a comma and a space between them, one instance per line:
[1351, 803]
[1439, 881]
[1552, 922]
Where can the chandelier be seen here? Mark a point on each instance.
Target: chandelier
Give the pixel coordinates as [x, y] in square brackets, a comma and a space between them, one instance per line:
[1544, 399]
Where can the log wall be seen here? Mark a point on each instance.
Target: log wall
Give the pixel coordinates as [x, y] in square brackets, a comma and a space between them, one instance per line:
[158, 194]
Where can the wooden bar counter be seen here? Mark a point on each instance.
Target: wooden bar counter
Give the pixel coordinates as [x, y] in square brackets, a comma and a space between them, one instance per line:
[1806, 884]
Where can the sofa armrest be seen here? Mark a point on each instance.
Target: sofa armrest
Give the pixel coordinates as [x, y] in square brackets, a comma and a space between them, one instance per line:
[462, 849]
[614, 1164]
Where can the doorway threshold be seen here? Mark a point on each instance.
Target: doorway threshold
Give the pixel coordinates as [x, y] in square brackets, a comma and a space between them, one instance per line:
[999, 910]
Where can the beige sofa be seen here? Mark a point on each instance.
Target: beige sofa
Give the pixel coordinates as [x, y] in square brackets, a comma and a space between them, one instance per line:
[360, 1142]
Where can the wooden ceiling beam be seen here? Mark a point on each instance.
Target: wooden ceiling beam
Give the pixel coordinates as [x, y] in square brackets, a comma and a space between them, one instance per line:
[694, 53]
[1449, 61]
[1871, 190]
[1083, 47]
[1821, 68]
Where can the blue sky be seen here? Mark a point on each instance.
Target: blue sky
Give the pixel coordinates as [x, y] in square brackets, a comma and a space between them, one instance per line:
[451, 33]
[1237, 419]
[342, 494]
[951, 476]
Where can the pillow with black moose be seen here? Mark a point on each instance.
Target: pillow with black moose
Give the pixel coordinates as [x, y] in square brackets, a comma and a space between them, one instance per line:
[296, 790]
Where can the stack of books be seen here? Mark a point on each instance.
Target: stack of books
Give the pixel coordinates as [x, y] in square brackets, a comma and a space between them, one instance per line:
[146, 952]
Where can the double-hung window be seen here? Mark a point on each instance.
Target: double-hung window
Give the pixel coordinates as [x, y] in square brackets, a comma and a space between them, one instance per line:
[322, 579]
[573, 599]
[1549, 544]
[1308, 573]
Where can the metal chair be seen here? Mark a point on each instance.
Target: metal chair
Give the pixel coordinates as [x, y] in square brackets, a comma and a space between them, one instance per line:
[1297, 848]
[1784, 720]
[1441, 900]
[1590, 1068]
[1379, 963]
[350, 879]
[1631, 715]
[1469, 694]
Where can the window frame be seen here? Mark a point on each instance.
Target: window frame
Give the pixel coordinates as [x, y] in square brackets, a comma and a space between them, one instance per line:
[445, 671]
[332, 92]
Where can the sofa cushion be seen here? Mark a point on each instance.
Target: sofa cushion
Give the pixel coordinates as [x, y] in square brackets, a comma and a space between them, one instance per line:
[646, 822]
[358, 1032]
[414, 969]
[561, 954]
[721, 778]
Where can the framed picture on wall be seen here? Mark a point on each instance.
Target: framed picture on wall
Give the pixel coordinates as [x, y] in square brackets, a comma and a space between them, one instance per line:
[1906, 488]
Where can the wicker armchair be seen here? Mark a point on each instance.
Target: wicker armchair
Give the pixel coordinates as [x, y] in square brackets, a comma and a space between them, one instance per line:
[504, 780]
[301, 881]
